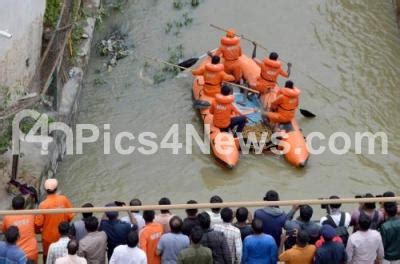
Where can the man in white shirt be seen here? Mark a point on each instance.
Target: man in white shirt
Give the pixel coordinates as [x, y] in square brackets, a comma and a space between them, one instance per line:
[130, 253]
[335, 213]
[365, 246]
[59, 249]
[215, 215]
[232, 235]
[136, 214]
[72, 248]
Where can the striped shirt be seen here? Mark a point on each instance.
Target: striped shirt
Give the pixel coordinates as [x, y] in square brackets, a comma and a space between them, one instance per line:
[57, 250]
[234, 239]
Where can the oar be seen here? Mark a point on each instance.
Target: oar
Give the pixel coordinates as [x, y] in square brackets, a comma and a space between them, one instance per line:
[192, 61]
[184, 68]
[307, 113]
[265, 49]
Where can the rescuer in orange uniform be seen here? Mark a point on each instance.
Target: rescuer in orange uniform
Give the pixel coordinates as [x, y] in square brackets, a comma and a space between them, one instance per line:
[271, 68]
[48, 223]
[214, 75]
[230, 50]
[283, 108]
[222, 109]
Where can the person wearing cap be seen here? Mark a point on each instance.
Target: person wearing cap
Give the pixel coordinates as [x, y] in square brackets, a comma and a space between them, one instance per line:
[230, 50]
[330, 252]
[48, 224]
[117, 231]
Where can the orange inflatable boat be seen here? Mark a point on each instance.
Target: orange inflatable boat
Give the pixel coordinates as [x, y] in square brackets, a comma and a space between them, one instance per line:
[226, 148]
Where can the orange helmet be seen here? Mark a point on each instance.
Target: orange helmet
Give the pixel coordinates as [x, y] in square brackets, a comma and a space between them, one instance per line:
[231, 33]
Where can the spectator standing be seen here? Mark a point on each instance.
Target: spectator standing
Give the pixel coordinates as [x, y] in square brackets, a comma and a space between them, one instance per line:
[136, 214]
[242, 215]
[26, 227]
[173, 242]
[330, 252]
[273, 217]
[130, 253]
[49, 223]
[71, 257]
[59, 249]
[390, 231]
[303, 222]
[364, 246]
[214, 240]
[165, 215]
[78, 230]
[9, 251]
[191, 220]
[370, 210]
[215, 215]
[93, 246]
[231, 233]
[259, 247]
[301, 253]
[149, 237]
[196, 253]
[116, 230]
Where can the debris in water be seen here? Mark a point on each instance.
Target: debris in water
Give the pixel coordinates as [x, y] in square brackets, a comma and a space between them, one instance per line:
[113, 47]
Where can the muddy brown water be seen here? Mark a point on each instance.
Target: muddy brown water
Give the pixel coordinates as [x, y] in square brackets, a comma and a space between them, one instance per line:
[351, 46]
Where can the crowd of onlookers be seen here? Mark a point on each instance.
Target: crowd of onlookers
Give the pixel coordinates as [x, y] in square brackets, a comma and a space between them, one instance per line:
[221, 235]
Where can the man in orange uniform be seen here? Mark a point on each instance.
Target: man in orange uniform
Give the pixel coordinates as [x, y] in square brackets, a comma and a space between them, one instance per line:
[271, 68]
[283, 108]
[214, 75]
[49, 223]
[222, 109]
[149, 237]
[231, 51]
[26, 226]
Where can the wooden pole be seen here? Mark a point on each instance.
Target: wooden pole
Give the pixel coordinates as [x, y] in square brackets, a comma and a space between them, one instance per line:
[201, 205]
[184, 68]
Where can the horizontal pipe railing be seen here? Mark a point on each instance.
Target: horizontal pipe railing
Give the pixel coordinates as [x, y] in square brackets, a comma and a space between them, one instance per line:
[199, 206]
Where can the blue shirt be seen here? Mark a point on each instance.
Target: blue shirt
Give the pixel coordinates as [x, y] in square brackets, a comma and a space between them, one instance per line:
[117, 233]
[11, 254]
[331, 253]
[260, 249]
[170, 245]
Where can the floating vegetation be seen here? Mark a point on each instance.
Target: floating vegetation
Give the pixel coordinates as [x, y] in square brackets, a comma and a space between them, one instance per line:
[99, 81]
[113, 47]
[177, 4]
[195, 3]
[175, 26]
[174, 56]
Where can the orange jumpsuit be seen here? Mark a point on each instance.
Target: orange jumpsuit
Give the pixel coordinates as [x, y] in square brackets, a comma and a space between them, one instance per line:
[148, 240]
[49, 223]
[286, 104]
[231, 51]
[270, 70]
[213, 75]
[222, 110]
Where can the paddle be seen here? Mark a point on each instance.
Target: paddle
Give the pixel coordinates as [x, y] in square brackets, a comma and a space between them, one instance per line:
[307, 113]
[192, 61]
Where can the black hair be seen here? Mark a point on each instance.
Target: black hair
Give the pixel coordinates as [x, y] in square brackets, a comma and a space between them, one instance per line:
[306, 212]
[63, 228]
[51, 191]
[364, 222]
[391, 209]
[196, 234]
[289, 84]
[164, 201]
[87, 214]
[335, 206]
[135, 202]
[226, 90]
[215, 59]
[133, 239]
[18, 202]
[12, 235]
[227, 215]
[241, 214]
[72, 247]
[216, 199]
[148, 215]
[273, 56]
[175, 223]
[204, 220]
[370, 206]
[271, 195]
[257, 226]
[191, 212]
[388, 194]
[91, 224]
[302, 238]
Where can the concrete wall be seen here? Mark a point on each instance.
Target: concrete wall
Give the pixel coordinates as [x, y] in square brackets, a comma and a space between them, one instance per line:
[24, 20]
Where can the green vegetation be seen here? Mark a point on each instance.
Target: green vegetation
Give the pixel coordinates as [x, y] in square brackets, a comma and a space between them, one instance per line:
[5, 140]
[53, 9]
[27, 123]
[99, 81]
[177, 4]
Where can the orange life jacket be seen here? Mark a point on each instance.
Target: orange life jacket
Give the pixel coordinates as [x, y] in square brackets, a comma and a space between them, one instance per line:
[222, 109]
[287, 101]
[230, 48]
[270, 69]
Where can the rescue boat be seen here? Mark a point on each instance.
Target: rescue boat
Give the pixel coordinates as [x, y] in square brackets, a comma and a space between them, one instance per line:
[225, 147]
